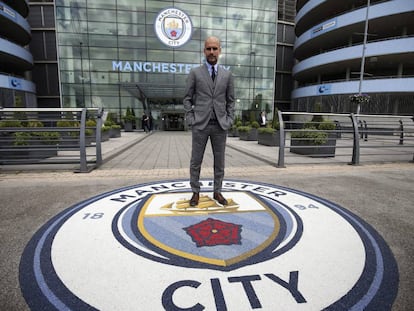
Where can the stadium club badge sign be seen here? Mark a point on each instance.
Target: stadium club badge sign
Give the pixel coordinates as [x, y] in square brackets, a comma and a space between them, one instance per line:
[173, 27]
[144, 247]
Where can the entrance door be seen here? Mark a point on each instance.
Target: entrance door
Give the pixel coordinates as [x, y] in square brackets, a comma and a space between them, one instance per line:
[173, 121]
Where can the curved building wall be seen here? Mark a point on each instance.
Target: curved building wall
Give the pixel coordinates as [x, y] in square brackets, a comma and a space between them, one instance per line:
[331, 52]
[16, 90]
[21, 6]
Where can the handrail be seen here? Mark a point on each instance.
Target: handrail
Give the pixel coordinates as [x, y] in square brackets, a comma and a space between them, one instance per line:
[66, 139]
[374, 132]
[2, 109]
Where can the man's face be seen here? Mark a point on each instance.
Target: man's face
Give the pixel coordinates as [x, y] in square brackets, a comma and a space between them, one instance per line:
[212, 51]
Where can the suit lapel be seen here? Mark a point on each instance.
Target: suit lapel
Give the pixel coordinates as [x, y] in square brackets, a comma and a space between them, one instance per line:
[208, 78]
[219, 76]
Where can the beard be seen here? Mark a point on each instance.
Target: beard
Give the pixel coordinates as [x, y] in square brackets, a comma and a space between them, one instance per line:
[212, 60]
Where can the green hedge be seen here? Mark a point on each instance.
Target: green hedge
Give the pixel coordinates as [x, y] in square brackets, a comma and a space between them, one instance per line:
[266, 130]
[315, 131]
[245, 128]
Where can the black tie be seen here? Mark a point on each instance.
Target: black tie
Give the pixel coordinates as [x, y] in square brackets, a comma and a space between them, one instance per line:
[213, 73]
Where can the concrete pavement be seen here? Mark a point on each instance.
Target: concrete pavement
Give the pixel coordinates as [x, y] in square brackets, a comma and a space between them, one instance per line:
[381, 194]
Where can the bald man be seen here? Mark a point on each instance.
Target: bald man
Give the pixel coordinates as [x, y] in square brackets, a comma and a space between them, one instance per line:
[209, 107]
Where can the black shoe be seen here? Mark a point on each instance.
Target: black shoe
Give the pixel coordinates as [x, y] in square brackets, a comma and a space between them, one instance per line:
[194, 199]
[219, 198]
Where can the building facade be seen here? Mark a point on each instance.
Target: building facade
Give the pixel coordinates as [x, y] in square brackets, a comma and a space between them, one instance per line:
[285, 39]
[89, 53]
[137, 54]
[354, 47]
[16, 88]
[120, 55]
[45, 73]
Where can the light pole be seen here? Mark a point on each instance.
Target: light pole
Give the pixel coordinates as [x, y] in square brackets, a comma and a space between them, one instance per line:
[362, 69]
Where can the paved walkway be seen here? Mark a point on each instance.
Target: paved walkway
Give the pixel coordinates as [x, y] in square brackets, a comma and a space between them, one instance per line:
[380, 193]
[172, 151]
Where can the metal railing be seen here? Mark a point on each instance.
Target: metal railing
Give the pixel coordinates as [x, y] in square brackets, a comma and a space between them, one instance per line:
[35, 136]
[350, 138]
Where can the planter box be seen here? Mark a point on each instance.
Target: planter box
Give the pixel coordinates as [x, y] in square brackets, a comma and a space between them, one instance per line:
[114, 133]
[233, 133]
[68, 141]
[306, 147]
[128, 127]
[250, 135]
[105, 135]
[27, 152]
[268, 139]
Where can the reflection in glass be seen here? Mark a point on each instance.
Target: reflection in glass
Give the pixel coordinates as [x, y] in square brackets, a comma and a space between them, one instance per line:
[118, 38]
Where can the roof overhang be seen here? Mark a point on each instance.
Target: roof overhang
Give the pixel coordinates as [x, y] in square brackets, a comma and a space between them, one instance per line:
[154, 90]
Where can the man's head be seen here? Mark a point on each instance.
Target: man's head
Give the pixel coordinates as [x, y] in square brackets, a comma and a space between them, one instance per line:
[212, 50]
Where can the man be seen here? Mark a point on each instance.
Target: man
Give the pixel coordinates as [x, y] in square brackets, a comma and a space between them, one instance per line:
[209, 107]
[262, 119]
[145, 123]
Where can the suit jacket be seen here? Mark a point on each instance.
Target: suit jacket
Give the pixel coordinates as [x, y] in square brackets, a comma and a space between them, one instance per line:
[202, 95]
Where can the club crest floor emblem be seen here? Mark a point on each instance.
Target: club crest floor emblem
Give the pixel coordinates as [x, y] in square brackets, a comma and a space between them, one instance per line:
[144, 247]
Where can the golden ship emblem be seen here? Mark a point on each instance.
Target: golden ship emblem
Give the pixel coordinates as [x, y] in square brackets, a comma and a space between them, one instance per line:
[206, 204]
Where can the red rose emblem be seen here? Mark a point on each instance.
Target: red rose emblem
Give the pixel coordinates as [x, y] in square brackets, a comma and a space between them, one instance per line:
[173, 33]
[212, 232]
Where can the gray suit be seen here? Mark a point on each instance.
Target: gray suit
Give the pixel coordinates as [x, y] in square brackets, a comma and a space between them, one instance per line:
[205, 100]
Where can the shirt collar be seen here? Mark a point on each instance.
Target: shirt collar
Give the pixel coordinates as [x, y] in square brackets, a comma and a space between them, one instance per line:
[210, 67]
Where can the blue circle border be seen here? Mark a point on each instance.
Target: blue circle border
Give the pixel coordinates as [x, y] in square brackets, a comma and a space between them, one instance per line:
[43, 290]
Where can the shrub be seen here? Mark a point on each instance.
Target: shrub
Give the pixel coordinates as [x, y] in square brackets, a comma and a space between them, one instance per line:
[111, 117]
[24, 138]
[67, 123]
[275, 124]
[34, 123]
[105, 128]
[129, 115]
[312, 135]
[48, 138]
[323, 125]
[359, 98]
[21, 138]
[90, 123]
[10, 123]
[243, 129]
[327, 125]
[266, 130]
[315, 130]
[317, 118]
[255, 124]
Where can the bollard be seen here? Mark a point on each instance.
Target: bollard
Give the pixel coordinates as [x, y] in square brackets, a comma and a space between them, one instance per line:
[281, 159]
[82, 145]
[361, 129]
[338, 129]
[356, 148]
[401, 133]
[365, 131]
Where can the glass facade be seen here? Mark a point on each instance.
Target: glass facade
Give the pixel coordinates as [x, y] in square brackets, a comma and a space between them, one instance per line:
[110, 55]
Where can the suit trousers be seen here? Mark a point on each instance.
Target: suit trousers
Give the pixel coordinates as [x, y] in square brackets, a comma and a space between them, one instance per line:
[218, 138]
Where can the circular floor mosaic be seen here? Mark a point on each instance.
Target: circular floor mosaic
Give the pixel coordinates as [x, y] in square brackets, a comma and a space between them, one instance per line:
[144, 248]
